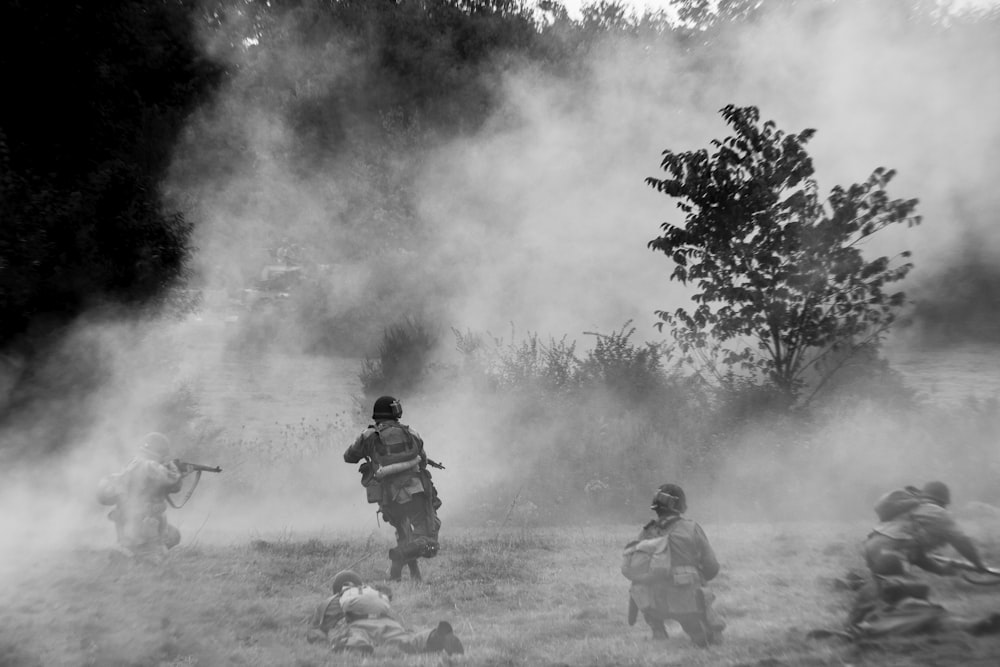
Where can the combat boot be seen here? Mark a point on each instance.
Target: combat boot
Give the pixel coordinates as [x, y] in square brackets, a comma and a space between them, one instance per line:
[442, 638]
[414, 571]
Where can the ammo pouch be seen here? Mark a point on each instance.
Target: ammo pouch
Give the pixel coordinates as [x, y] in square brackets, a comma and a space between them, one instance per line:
[374, 491]
[373, 487]
[683, 590]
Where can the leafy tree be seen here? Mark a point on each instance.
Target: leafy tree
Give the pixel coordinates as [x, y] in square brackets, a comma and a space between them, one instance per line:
[98, 93]
[771, 262]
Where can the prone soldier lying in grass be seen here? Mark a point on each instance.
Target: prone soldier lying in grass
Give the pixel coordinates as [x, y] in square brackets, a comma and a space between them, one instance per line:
[359, 618]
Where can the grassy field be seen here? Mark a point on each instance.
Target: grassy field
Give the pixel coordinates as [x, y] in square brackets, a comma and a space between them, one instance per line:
[515, 595]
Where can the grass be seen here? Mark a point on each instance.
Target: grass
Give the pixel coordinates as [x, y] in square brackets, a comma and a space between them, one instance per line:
[516, 596]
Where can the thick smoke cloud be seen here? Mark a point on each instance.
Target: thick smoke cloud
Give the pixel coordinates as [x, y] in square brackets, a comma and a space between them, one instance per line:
[538, 222]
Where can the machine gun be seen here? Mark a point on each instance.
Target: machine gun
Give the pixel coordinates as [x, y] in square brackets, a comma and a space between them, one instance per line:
[968, 569]
[186, 468]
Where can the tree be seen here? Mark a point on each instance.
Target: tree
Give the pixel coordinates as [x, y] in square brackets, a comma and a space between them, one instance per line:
[99, 92]
[772, 263]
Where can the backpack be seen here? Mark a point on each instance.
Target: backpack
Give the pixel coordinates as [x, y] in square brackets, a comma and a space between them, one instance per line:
[645, 561]
[897, 502]
[364, 601]
[395, 444]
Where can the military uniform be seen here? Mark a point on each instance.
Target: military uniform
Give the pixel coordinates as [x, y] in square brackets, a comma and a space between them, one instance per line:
[914, 534]
[358, 618]
[896, 606]
[139, 494]
[681, 596]
[401, 485]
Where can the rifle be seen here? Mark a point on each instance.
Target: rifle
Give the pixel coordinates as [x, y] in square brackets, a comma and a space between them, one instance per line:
[968, 568]
[434, 464]
[187, 468]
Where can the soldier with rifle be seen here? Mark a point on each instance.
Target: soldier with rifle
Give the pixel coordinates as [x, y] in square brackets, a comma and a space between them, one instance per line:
[395, 476]
[914, 524]
[140, 494]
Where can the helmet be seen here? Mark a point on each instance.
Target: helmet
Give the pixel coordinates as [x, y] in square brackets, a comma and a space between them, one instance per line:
[669, 498]
[156, 446]
[345, 578]
[938, 492]
[387, 407]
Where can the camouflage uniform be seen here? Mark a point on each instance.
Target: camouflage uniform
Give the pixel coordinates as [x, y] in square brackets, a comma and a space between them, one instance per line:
[139, 494]
[359, 618]
[407, 499]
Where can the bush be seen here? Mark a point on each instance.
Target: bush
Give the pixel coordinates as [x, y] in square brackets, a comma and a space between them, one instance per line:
[404, 358]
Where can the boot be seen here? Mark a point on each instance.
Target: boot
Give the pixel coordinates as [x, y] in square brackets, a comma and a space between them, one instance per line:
[414, 570]
[442, 638]
[659, 630]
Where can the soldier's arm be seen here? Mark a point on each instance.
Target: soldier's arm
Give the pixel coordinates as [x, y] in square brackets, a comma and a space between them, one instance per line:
[942, 525]
[925, 562]
[708, 564]
[356, 451]
[169, 477]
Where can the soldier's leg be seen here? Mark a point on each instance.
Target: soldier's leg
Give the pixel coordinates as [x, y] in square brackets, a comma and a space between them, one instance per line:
[696, 628]
[423, 519]
[655, 623]
[414, 570]
[352, 637]
[397, 520]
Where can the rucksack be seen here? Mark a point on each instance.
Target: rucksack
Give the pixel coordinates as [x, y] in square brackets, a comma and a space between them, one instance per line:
[897, 502]
[395, 444]
[645, 561]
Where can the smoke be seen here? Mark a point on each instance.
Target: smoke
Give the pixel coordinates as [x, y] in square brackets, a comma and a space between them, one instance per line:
[536, 222]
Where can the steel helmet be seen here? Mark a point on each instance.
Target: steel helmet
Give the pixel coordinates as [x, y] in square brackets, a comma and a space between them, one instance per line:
[387, 407]
[156, 446]
[669, 498]
[938, 492]
[345, 578]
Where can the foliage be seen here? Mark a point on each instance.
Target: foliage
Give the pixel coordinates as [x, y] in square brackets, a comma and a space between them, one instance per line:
[404, 356]
[82, 152]
[773, 263]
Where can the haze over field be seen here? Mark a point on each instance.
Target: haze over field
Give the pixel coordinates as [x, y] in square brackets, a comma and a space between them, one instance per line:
[535, 222]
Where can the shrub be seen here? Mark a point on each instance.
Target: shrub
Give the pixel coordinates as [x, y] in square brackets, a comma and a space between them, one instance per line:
[404, 357]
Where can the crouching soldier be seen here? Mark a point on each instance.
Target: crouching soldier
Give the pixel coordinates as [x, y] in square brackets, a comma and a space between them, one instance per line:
[668, 565]
[359, 618]
[139, 494]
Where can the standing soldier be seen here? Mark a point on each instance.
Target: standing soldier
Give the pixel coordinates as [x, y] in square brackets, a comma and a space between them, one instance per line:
[676, 560]
[139, 495]
[396, 477]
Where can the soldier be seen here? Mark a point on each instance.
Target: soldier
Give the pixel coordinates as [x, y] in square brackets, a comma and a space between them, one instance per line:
[915, 523]
[396, 477]
[677, 593]
[139, 494]
[892, 604]
[359, 617]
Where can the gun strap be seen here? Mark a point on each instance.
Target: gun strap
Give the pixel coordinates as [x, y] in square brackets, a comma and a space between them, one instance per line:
[187, 496]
